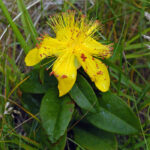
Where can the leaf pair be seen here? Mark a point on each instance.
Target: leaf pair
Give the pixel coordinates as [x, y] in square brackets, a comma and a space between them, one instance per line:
[109, 113]
[112, 114]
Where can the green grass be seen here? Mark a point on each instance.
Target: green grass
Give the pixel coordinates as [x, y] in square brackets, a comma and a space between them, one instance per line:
[123, 24]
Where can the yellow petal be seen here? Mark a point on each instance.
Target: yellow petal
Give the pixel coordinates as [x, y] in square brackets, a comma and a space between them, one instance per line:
[103, 80]
[52, 46]
[32, 58]
[95, 48]
[96, 70]
[65, 71]
[35, 55]
[48, 47]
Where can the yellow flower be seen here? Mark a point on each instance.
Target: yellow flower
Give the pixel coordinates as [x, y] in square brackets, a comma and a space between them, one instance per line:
[74, 46]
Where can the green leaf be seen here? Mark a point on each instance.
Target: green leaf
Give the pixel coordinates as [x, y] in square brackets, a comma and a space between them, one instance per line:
[60, 145]
[115, 116]
[46, 144]
[34, 85]
[31, 102]
[56, 114]
[92, 138]
[117, 106]
[83, 94]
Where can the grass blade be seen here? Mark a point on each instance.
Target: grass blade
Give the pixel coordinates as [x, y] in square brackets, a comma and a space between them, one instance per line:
[14, 27]
[27, 22]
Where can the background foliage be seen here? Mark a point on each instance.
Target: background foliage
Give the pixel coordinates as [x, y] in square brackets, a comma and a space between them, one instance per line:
[33, 117]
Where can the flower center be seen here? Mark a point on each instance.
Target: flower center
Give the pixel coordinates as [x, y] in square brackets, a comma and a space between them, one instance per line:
[76, 39]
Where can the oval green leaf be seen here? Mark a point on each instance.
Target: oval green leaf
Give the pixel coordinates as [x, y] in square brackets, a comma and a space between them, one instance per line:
[115, 116]
[83, 94]
[119, 119]
[118, 107]
[110, 122]
[91, 138]
[55, 114]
